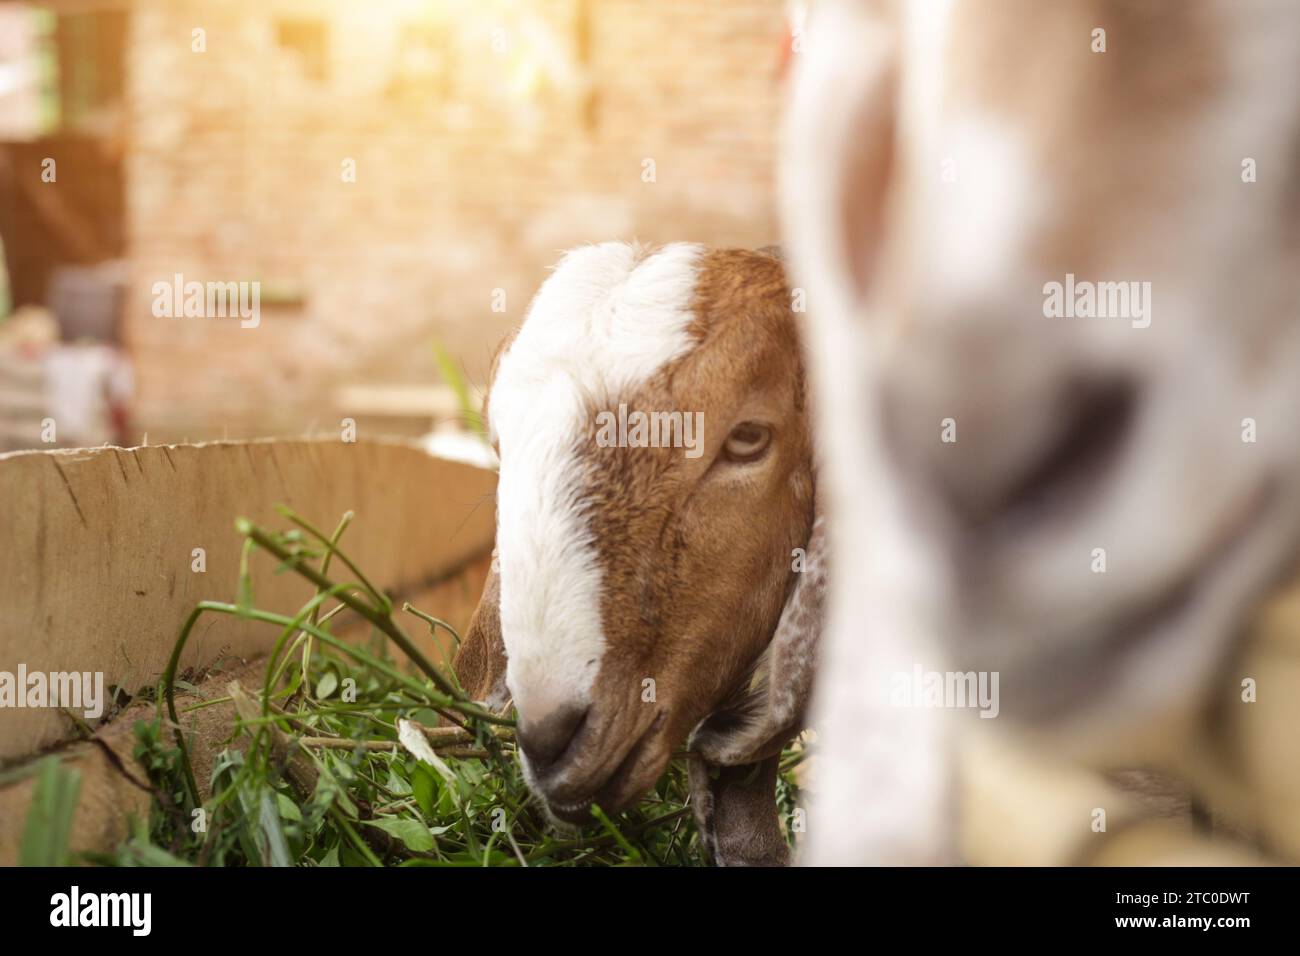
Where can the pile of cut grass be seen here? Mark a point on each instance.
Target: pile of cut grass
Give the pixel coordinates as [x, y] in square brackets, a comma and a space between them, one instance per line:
[349, 756]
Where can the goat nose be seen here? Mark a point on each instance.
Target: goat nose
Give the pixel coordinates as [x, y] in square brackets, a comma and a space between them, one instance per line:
[545, 739]
[1003, 456]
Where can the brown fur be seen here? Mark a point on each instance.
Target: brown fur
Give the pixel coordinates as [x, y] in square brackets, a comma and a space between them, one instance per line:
[696, 584]
[480, 662]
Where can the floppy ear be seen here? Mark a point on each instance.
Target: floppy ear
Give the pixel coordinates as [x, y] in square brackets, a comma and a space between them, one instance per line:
[737, 751]
[480, 661]
[771, 711]
[736, 813]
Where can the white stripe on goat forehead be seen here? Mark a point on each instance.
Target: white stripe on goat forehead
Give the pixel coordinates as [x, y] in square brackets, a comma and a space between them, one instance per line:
[607, 319]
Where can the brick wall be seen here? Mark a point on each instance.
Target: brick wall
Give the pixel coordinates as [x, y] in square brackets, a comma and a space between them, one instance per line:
[484, 144]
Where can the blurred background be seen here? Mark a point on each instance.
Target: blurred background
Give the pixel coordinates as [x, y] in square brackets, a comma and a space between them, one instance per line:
[397, 175]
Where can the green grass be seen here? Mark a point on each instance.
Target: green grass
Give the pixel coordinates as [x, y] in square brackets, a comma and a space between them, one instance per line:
[320, 778]
[454, 378]
[49, 818]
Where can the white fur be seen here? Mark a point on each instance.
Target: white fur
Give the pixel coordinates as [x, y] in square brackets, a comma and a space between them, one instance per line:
[982, 220]
[608, 318]
[883, 789]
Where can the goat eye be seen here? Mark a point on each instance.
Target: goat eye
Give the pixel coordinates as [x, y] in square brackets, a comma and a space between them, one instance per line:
[747, 442]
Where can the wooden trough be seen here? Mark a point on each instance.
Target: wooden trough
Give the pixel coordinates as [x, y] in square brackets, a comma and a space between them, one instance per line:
[105, 552]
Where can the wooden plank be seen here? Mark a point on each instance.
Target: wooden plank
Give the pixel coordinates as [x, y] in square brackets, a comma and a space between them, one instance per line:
[97, 549]
[114, 788]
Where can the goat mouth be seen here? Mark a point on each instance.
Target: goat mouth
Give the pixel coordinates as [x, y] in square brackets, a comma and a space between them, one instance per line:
[1062, 683]
[576, 812]
[615, 792]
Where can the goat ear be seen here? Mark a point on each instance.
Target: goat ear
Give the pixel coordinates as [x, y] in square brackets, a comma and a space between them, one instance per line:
[735, 812]
[839, 146]
[502, 347]
[772, 711]
[480, 661]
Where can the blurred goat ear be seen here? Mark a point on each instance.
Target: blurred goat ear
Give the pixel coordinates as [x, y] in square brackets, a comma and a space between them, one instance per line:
[838, 152]
[480, 661]
[867, 163]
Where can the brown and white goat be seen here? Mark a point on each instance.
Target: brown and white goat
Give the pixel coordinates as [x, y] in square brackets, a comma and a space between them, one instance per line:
[947, 163]
[642, 590]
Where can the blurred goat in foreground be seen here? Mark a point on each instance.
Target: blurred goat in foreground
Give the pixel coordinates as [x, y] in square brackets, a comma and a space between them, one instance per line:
[1052, 258]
